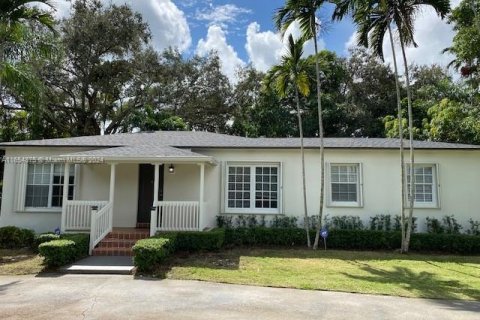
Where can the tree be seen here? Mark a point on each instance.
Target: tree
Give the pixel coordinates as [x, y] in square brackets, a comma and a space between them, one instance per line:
[374, 19]
[465, 19]
[291, 73]
[304, 11]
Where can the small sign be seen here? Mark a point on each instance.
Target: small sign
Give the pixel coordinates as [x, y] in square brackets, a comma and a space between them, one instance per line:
[57, 231]
[324, 233]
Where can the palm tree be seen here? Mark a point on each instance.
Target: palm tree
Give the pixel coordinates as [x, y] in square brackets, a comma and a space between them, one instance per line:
[304, 11]
[374, 19]
[15, 17]
[292, 73]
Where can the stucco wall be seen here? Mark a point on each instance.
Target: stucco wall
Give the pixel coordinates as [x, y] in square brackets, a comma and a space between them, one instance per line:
[458, 180]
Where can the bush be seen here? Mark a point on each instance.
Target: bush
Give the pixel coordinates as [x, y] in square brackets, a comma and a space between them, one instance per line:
[448, 225]
[44, 237]
[397, 226]
[148, 253]
[381, 222]
[363, 240]
[474, 227]
[265, 236]
[451, 243]
[12, 237]
[346, 223]
[195, 240]
[82, 243]
[58, 252]
[284, 222]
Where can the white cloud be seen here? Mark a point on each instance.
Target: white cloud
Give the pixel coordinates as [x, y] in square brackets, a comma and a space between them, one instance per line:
[432, 36]
[217, 41]
[266, 49]
[167, 22]
[222, 15]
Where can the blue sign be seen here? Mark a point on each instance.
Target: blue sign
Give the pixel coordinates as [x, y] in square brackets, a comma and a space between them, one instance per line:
[324, 233]
[57, 231]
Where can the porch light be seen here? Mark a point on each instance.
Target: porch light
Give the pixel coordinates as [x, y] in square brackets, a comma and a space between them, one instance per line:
[171, 169]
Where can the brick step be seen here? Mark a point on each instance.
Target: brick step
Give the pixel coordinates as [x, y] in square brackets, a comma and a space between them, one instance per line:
[130, 235]
[112, 251]
[116, 243]
[143, 225]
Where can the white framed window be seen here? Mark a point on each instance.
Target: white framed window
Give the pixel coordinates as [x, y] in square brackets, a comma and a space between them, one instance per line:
[252, 188]
[44, 187]
[345, 185]
[425, 185]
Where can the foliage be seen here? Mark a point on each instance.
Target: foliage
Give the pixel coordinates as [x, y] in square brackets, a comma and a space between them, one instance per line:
[148, 253]
[448, 225]
[195, 240]
[345, 223]
[224, 222]
[82, 243]
[284, 222]
[13, 237]
[44, 237]
[474, 227]
[397, 225]
[263, 236]
[381, 222]
[58, 252]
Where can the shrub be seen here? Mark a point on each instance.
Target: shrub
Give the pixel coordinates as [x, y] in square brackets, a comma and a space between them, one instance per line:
[195, 240]
[68, 248]
[284, 222]
[474, 227]
[363, 240]
[451, 243]
[44, 237]
[346, 223]
[148, 253]
[265, 236]
[448, 225]
[397, 226]
[381, 222]
[224, 222]
[58, 252]
[13, 237]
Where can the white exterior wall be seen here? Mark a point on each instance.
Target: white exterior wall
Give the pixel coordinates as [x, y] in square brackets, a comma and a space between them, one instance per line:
[458, 179]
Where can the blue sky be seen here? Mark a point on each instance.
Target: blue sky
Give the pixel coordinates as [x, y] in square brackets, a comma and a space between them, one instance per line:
[242, 31]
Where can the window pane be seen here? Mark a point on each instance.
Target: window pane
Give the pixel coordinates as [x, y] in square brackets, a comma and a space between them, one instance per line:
[267, 187]
[424, 187]
[241, 177]
[344, 179]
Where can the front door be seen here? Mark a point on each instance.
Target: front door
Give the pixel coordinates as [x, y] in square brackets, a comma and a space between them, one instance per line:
[145, 191]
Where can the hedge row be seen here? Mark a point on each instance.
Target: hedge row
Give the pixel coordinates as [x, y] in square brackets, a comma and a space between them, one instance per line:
[14, 238]
[354, 240]
[66, 249]
[148, 253]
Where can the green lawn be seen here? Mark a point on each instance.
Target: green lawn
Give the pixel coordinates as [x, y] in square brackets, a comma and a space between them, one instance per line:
[20, 261]
[414, 275]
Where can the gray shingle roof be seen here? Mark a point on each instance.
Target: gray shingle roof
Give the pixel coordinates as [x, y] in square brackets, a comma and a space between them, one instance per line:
[191, 139]
[134, 152]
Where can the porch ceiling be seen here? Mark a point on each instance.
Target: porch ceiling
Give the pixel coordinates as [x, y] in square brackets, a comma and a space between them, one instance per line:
[139, 154]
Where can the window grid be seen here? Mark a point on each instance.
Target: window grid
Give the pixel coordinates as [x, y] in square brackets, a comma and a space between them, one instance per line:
[344, 182]
[252, 187]
[45, 185]
[423, 187]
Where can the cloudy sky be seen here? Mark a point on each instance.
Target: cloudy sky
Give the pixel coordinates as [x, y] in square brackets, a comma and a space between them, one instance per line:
[242, 32]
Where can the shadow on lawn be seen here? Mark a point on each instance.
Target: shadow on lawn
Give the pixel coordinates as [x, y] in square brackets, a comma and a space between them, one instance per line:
[425, 284]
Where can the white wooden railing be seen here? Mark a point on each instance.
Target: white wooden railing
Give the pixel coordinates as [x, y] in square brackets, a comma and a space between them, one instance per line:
[101, 224]
[175, 216]
[77, 214]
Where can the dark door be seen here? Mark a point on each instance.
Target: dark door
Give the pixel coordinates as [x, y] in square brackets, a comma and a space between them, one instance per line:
[145, 191]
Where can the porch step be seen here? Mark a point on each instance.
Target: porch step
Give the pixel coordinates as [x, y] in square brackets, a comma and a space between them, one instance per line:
[120, 241]
[143, 225]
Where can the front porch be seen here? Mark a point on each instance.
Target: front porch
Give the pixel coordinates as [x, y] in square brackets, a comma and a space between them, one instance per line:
[173, 202]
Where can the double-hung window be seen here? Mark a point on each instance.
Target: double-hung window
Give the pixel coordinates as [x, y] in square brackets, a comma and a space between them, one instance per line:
[45, 185]
[252, 188]
[425, 185]
[345, 185]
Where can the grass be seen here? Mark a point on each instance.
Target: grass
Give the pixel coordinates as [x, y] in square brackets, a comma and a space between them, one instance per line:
[415, 275]
[20, 261]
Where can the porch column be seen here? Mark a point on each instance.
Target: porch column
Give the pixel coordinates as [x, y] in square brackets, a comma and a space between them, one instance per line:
[111, 196]
[66, 178]
[201, 197]
[156, 184]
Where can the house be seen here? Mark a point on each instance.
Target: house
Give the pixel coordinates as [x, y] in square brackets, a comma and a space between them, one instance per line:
[183, 180]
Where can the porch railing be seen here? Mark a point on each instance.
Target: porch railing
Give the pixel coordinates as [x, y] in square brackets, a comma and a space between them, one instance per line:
[77, 214]
[175, 216]
[101, 225]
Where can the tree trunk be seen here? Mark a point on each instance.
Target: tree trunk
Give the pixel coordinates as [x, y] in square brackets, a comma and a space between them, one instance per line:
[302, 151]
[320, 135]
[406, 240]
[400, 136]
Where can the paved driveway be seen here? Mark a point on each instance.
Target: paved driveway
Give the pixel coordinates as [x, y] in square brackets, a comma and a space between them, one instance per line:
[121, 297]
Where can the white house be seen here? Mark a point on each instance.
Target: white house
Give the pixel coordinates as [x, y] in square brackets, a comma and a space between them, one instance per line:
[183, 180]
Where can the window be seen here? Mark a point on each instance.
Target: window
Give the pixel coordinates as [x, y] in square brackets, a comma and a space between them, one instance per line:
[253, 188]
[345, 185]
[45, 185]
[425, 190]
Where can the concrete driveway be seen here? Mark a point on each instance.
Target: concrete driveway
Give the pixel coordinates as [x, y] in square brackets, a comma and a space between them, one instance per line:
[122, 297]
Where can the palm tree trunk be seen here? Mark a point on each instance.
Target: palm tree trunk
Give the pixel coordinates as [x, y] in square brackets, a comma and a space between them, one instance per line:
[302, 151]
[320, 134]
[406, 240]
[400, 136]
